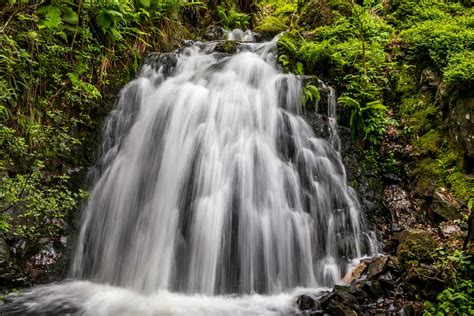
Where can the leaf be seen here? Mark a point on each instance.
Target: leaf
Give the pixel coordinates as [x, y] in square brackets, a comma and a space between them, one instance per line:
[145, 3]
[53, 16]
[69, 16]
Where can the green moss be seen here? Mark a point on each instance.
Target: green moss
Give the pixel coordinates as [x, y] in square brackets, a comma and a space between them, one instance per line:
[228, 47]
[415, 245]
[460, 70]
[272, 25]
[429, 143]
[462, 187]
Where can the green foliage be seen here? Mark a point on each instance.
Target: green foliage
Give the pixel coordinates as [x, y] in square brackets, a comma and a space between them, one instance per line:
[433, 42]
[459, 71]
[232, 19]
[310, 95]
[61, 63]
[457, 298]
[368, 119]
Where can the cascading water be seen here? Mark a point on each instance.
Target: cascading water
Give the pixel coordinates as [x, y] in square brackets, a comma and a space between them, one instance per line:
[210, 184]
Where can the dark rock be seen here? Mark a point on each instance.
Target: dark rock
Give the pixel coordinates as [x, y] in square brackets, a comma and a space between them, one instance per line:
[166, 61]
[461, 125]
[391, 178]
[373, 288]
[340, 302]
[227, 47]
[214, 33]
[305, 303]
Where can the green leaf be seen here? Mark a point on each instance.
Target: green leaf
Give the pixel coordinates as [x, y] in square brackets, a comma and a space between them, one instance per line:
[69, 16]
[53, 16]
[145, 3]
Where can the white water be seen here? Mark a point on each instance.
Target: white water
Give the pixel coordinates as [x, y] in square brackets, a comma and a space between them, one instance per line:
[210, 184]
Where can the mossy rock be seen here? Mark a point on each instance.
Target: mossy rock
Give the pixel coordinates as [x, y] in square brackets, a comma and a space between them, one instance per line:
[415, 245]
[227, 47]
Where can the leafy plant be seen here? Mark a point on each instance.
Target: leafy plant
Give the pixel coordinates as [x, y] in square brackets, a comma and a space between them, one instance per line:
[232, 19]
[310, 95]
[368, 120]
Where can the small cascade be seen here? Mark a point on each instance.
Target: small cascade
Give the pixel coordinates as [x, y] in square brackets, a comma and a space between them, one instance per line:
[210, 184]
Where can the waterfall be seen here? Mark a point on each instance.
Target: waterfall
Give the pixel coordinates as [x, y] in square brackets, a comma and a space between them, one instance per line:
[210, 183]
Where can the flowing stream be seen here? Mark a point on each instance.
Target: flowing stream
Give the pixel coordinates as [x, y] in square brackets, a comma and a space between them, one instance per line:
[212, 195]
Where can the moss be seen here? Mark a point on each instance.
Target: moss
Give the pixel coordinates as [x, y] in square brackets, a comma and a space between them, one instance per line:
[429, 143]
[228, 47]
[271, 25]
[415, 245]
[462, 187]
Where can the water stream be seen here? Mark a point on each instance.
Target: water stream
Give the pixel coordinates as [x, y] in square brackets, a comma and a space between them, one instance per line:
[212, 195]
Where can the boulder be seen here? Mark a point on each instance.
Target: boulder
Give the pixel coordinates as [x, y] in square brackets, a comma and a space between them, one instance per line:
[214, 33]
[377, 267]
[445, 206]
[415, 244]
[306, 303]
[340, 302]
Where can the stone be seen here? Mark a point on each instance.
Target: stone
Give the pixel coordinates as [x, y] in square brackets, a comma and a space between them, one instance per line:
[4, 254]
[214, 33]
[376, 267]
[461, 125]
[446, 206]
[355, 273]
[340, 302]
[373, 288]
[305, 303]
[415, 244]
[227, 47]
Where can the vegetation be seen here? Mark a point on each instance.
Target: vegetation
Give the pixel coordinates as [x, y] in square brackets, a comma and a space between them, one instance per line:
[401, 69]
[61, 64]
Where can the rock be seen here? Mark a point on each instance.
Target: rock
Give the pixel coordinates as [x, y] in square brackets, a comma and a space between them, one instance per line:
[355, 273]
[167, 62]
[47, 255]
[4, 254]
[305, 303]
[377, 266]
[214, 33]
[227, 47]
[396, 200]
[340, 302]
[415, 244]
[445, 205]
[373, 288]
[448, 229]
[461, 125]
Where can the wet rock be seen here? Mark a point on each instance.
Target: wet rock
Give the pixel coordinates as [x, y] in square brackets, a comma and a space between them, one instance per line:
[355, 273]
[227, 47]
[445, 206]
[214, 33]
[340, 302]
[167, 62]
[306, 303]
